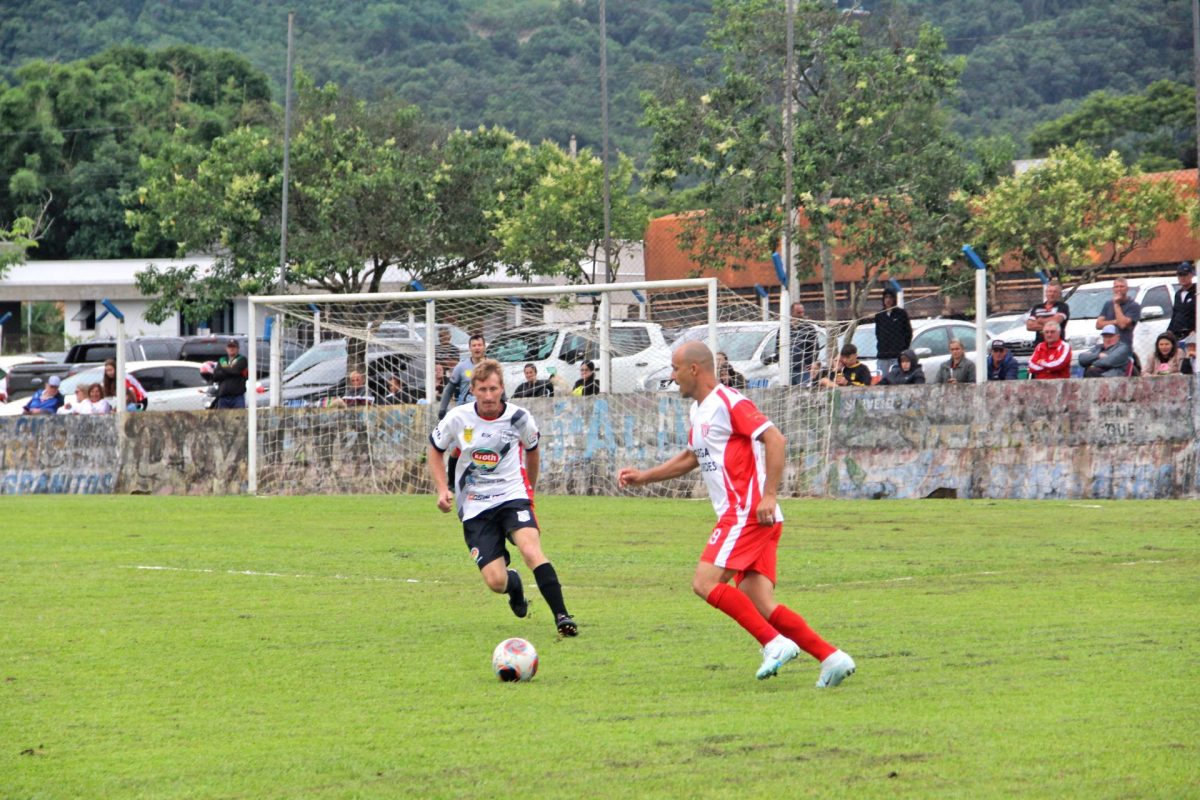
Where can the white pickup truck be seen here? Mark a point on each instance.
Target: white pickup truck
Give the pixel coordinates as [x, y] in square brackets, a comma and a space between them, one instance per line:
[558, 350]
[1154, 295]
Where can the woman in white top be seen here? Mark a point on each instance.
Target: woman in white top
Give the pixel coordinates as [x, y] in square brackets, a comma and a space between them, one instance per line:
[95, 403]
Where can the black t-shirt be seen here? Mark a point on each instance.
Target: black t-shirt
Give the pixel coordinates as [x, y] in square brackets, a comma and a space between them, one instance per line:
[1041, 312]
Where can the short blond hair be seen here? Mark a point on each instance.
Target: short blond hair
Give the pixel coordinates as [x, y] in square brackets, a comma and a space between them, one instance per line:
[486, 369]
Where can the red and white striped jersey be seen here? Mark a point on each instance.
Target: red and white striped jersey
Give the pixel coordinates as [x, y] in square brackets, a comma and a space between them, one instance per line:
[732, 460]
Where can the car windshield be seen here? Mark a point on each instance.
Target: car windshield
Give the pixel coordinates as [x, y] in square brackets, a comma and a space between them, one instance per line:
[85, 378]
[1086, 303]
[738, 344]
[864, 340]
[523, 346]
[325, 351]
[998, 325]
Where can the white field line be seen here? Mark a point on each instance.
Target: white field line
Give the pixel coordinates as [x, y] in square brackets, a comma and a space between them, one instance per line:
[1083, 505]
[259, 574]
[942, 577]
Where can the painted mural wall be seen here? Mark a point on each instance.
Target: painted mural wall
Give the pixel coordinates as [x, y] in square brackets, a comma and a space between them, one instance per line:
[1052, 439]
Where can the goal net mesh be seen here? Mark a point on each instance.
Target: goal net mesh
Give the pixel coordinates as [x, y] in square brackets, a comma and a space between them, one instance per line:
[355, 410]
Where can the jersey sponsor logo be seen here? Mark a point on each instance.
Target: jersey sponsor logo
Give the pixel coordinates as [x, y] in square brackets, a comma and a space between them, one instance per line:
[486, 459]
[475, 554]
[468, 434]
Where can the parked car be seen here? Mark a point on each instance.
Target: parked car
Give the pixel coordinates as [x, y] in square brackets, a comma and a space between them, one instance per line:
[931, 343]
[212, 348]
[320, 373]
[7, 363]
[170, 385]
[751, 347]
[638, 348]
[25, 379]
[1154, 295]
[414, 333]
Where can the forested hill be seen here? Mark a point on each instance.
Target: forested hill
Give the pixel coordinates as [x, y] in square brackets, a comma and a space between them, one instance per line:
[532, 65]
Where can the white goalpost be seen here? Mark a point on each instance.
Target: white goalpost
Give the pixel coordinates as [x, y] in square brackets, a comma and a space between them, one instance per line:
[354, 412]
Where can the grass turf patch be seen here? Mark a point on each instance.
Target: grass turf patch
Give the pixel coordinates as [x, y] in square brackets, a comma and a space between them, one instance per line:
[340, 647]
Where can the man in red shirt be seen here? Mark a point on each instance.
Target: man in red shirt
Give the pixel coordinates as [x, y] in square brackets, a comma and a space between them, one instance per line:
[740, 454]
[1052, 357]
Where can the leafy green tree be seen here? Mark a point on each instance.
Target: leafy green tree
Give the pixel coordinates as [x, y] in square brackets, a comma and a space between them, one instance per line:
[875, 171]
[1154, 129]
[1076, 215]
[560, 225]
[16, 241]
[373, 187]
[74, 133]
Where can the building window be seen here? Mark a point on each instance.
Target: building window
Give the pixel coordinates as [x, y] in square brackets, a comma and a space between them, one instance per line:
[86, 316]
[220, 322]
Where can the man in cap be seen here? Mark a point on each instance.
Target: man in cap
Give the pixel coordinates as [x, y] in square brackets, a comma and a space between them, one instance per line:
[46, 400]
[230, 375]
[1001, 366]
[1112, 358]
[1188, 365]
[1183, 310]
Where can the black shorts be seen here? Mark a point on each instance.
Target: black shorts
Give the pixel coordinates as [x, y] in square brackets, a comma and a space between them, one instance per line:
[486, 534]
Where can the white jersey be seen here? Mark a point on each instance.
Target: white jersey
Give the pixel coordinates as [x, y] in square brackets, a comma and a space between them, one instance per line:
[491, 461]
[732, 460]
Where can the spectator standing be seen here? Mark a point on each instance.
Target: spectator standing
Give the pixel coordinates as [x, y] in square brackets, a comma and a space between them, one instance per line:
[230, 374]
[445, 353]
[357, 393]
[1112, 358]
[398, 394]
[1051, 359]
[729, 376]
[959, 369]
[1183, 310]
[458, 385]
[1122, 311]
[1052, 309]
[47, 400]
[850, 371]
[1001, 366]
[1166, 358]
[906, 370]
[532, 387]
[587, 385]
[805, 345]
[893, 332]
[1188, 345]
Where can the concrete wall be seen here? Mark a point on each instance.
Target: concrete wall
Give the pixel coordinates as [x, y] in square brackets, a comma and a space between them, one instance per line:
[1053, 439]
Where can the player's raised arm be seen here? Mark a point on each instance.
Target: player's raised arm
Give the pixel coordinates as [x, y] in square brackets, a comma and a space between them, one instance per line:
[681, 464]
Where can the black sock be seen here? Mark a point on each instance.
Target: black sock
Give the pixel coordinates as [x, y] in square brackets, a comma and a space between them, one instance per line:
[514, 584]
[551, 589]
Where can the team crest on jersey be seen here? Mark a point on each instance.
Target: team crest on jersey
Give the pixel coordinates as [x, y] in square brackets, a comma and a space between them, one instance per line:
[468, 434]
[486, 459]
[475, 554]
[704, 430]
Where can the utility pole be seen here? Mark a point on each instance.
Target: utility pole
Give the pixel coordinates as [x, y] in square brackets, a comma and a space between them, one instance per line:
[287, 155]
[609, 276]
[788, 146]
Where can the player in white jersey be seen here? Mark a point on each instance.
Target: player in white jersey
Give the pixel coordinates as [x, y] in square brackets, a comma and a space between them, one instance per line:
[496, 444]
[740, 454]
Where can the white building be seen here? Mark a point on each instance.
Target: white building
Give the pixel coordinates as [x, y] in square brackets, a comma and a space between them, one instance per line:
[80, 286]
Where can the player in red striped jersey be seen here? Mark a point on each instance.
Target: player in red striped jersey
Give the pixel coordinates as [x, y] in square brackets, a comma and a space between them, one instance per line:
[740, 454]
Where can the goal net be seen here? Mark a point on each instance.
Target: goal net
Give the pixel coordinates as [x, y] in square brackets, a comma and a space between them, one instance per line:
[354, 412]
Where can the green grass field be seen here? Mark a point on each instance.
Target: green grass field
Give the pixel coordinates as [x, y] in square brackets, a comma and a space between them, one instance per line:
[340, 647]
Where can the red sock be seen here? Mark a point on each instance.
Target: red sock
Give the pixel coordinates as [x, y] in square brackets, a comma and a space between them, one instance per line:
[793, 626]
[729, 600]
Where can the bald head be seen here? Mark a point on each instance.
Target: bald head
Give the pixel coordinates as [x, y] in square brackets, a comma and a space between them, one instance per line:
[692, 368]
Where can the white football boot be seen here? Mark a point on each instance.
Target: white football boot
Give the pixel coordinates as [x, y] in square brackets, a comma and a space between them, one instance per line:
[835, 669]
[777, 652]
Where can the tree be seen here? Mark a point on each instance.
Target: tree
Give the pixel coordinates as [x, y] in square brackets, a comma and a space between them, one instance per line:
[15, 242]
[373, 187]
[1076, 215]
[1153, 130]
[560, 224]
[875, 170]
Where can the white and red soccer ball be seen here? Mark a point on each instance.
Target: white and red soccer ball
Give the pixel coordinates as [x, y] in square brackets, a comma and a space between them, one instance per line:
[515, 660]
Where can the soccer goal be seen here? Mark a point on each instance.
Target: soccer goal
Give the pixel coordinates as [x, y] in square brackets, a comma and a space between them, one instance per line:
[591, 362]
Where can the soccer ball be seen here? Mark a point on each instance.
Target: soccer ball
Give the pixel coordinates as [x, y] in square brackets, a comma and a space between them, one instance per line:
[515, 660]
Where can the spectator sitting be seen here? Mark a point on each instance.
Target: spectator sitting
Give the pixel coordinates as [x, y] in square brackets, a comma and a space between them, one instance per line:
[1167, 357]
[959, 369]
[1109, 359]
[398, 394]
[850, 371]
[46, 400]
[1188, 365]
[729, 376]
[95, 402]
[532, 387]
[135, 394]
[356, 391]
[71, 406]
[906, 370]
[587, 385]
[1001, 366]
[1051, 359]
